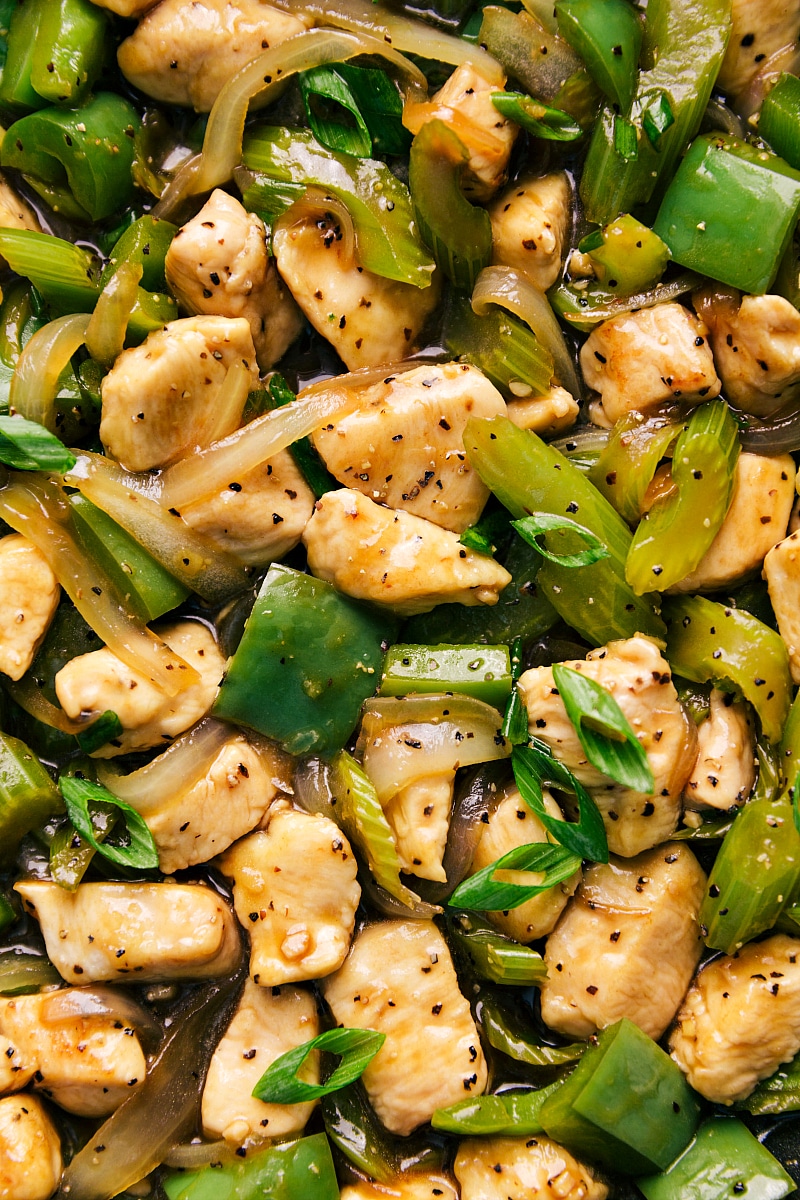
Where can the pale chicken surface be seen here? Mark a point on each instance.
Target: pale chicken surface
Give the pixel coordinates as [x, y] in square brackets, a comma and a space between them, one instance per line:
[553, 412]
[724, 771]
[759, 29]
[30, 1149]
[29, 595]
[782, 573]
[412, 1185]
[16, 1068]
[15, 213]
[534, 1168]
[126, 8]
[399, 980]
[531, 221]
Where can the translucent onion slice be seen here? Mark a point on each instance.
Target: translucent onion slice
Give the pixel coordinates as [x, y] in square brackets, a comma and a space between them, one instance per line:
[192, 1156]
[105, 333]
[32, 699]
[34, 384]
[511, 290]
[171, 773]
[38, 509]
[316, 204]
[662, 293]
[719, 116]
[749, 102]
[71, 1004]
[225, 413]
[478, 797]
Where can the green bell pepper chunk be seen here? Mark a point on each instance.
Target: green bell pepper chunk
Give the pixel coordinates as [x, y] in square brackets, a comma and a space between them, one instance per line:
[626, 466]
[70, 50]
[790, 744]
[506, 1033]
[626, 1105]
[779, 1093]
[730, 212]
[285, 1171]
[28, 795]
[723, 1160]
[70, 855]
[499, 344]
[494, 956]
[480, 671]
[626, 255]
[145, 242]
[779, 119]
[308, 659]
[608, 37]
[512, 1114]
[16, 91]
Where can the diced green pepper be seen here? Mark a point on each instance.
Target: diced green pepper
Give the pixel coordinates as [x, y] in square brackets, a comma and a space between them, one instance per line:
[626, 1105]
[506, 1033]
[495, 957]
[781, 1092]
[70, 50]
[16, 91]
[626, 255]
[608, 38]
[146, 242]
[354, 1129]
[723, 1161]
[779, 119]
[8, 913]
[285, 1171]
[478, 671]
[511, 1114]
[28, 795]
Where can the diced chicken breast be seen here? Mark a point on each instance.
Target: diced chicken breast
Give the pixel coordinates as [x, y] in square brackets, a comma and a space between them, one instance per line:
[550, 413]
[640, 680]
[260, 516]
[85, 1063]
[16, 1068]
[399, 980]
[534, 1168]
[391, 557]
[29, 595]
[99, 682]
[30, 1150]
[369, 320]
[782, 573]
[185, 53]
[15, 213]
[267, 1023]
[159, 398]
[645, 358]
[530, 223]
[725, 769]
[740, 1019]
[627, 944]
[760, 28]
[295, 892]
[419, 816]
[126, 8]
[763, 495]
[402, 443]
[411, 1185]
[134, 932]
[217, 263]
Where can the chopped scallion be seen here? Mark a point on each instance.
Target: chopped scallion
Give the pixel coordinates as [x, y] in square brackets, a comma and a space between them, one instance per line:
[280, 1084]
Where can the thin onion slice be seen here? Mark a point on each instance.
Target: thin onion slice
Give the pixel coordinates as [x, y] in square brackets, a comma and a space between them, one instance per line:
[662, 293]
[172, 772]
[778, 434]
[26, 693]
[34, 384]
[316, 205]
[510, 289]
[378, 898]
[105, 333]
[749, 102]
[225, 413]
[719, 116]
[192, 1156]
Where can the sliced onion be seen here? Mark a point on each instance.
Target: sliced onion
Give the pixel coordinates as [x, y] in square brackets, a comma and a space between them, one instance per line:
[776, 435]
[379, 899]
[192, 1156]
[317, 205]
[662, 293]
[313, 791]
[749, 102]
[511, 290]
[105, 333]
[34, 384]
[33, 701]
[719, 116]
[70, 1004]
[583, 446]
[225, 413]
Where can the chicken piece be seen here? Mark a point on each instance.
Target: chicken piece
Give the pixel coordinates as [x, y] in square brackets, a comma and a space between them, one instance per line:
[419, 816]
[639, 679]
[30, 1150]
[411, 1185]
[763, 494]
[297, 931]
[98, 682]
[530, 224]
[218, 263]
[159, 399]
[759, 29]
[782, 573]
[399, 980]
[259, 517]
[15, 213]
[644, 358]
[740, 1019]
[725, 769]
[126, 8]
[465, 104]
[627, 944]
[369, 320]
[149, 931]
[403, 443]
[29, 595]
[393, 558]
[185, 53]
[86, 1063]
[512, 823]
[16, 1068]
[550, 413]
[536, 1168]
[267, 1023]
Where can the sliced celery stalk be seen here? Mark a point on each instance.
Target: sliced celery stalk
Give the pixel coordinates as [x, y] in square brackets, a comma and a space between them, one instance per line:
[477, 671]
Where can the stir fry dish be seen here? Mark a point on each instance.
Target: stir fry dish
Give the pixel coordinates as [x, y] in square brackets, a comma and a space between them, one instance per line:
[399, 599]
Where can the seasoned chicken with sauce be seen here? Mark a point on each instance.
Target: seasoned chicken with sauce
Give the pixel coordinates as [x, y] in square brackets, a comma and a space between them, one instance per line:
[15, 213]
[412, 1185]
[530, 224]
[550, 413]
[725, 769]
[534, 1168]
[30, 1149]
[29, 595]
[782, 573]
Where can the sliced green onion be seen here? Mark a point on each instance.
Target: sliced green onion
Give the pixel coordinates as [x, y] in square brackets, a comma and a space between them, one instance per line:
[626, 140]
[381, 106]
[101, 731]
[534, 767]
[357, 1047]
[495, 957]
[507, 1034]
[657, 118]
[537, 118]
[515, 718]
[512, 1114]
[141, 853]
[778, 1094]
[502, 346]
[485, 892]
[70, 854]
[324, 91]
[531, 529]
[28, 446]
[488, 533]
[269, 198]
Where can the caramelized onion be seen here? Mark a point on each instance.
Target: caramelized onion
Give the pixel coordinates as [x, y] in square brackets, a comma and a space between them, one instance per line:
[172, 772]
[105, 333]
[34, 384]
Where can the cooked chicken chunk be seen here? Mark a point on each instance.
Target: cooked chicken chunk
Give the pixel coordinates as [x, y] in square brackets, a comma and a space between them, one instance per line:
[218, 263]
[29, 595]
[185, 53]
[522, 1169]
[644, 358]
[267, 1023]
[259, 517]
[399, 980]
[367, 319]
[16, 1068]
[530, 224]
[85, 1063]
[760, 28]
[411, 1185]
[639, 679]
[513, 824]
[725, 769]
[393, 558]
[159, 398]
[782, 573]
[126, 8]
[30, 1150]
[297, 931]
[553, 412]
[99, 682]
[763, 494]
[148, 931]
[403, 443]
[627, 944]
[15, 213]
[740, 1019]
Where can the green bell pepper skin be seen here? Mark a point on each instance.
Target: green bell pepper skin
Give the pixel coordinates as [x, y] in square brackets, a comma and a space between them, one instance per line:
[145, 242]
[707, 641]
[723, 1160]
[626, 1105]
[503, 347]
[67, 276]
[781, 1092]
[779, 119]
[608, 37]
[308, 659]
[493, 956]
[70, 855]
[28, 795]
[626, 255]
[480, 671]
[70, 50]
[627, 464]
[285, 1171]
[512, 1114]
[730, 212]
[354, 1129]
[506, 1033]
[16, 91]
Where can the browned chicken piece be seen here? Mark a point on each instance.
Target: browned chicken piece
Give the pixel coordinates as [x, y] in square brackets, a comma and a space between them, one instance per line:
[534, 1168]
[530, 224]
[725, 769]
[29, 596]
[30, 1149]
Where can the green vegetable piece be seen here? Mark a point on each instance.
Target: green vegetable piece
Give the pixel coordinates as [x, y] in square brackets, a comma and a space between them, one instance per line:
[695, 698]
[494, 956]
[603, 730]
[723, 1160]
[280, 1083]
[507, 1034]
[284, 1171]
[8, 913]
[625, 468]
[730, 212]
[269, 198]
[484, 892]
[17, 325]
[70, 855]
[308, 659]
[515, 718]
[473, 670]
[779, 119]
[28, 446]
[28, 795]
[16, 91]
[66, 275]
[531, 529]
[629, 257]
[608, 37]
[707, 641]
[103, 730]
[657, 118]
[537, 118]
[790, 743]
[505, 349]
[140, 853]
[534, 767]
[512, 1114]
[326, 99]
[626, 1105]
[781, 1092]
[303, 451]
[670, 541]
[145, 242]
[24, 973]
[70, 50]
[381, 107]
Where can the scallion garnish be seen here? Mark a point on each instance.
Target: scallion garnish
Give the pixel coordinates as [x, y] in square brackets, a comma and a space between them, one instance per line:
[102, 731]
[140, 853]
[357, 1047]
[626, 140]
[534, 768]
[485, 892]
[28, 446]
[515, 718]
[537, 118]
[657, 118]
[333, 113]
[531, 529]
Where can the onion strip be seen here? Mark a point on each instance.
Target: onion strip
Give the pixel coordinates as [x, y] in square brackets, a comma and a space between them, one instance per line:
[33, 701]
[748, 102]
[105, 333]
[173, 772]
[34, 384]
[225, 414]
